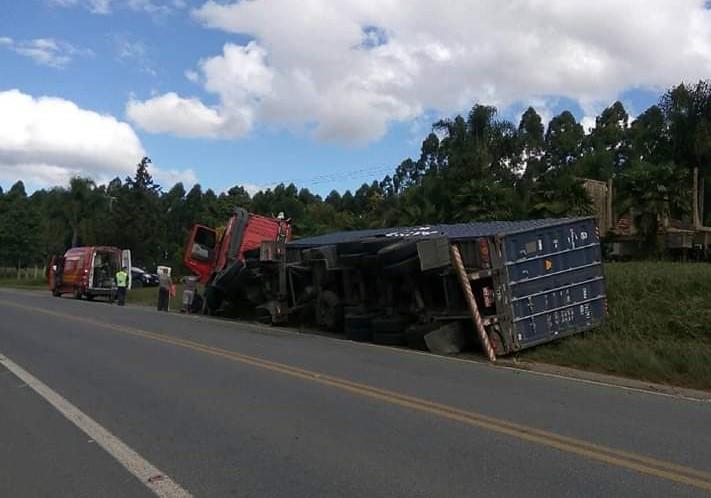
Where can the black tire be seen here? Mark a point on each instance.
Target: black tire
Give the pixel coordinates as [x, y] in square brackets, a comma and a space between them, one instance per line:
[358, 327]
[197, 304]
[404, 267]
[77, 293]
[329, 311]
[359, 335]
[56, 293]
[397, 252]
[374, 245]
[416, 334]
[390, 339]
[389, 325]
[90, 297]
[213, 299]
[226, 277]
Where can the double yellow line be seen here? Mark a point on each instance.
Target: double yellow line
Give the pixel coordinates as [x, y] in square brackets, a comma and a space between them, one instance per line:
[632, 461]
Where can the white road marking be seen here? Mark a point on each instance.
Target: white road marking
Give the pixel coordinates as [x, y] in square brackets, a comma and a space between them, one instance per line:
[152, 477]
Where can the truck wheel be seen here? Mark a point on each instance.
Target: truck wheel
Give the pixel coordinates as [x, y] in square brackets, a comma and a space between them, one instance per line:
[389, 325]
[404, 267]
[226, 277]
[213, 299]
[358, 327]
[390, 339]
[416, 334]
[329, 312]
[397, 252]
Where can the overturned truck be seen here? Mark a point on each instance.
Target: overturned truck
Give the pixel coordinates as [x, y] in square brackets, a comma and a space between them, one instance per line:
[504, 285]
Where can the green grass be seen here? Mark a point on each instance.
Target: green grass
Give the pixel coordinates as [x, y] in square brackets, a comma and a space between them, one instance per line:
[148, 296]
[659, 328]
[24, 283]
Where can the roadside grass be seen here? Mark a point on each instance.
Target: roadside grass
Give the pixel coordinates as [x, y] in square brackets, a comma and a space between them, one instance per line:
[148, 296]
[659, 329]
[24, 283]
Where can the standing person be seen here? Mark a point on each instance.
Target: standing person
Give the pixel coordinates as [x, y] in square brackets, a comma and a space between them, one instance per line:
[164, 287]
[190, 283]
[121, 285]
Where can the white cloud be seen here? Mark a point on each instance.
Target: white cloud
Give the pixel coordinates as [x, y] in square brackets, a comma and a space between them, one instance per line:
[252, 189]
[45, 51]
[100, 6]
[193, 76]
[170, 113]
[239, 76]
[133, 52]
[347, 72]
[103, 7]
[47, 140]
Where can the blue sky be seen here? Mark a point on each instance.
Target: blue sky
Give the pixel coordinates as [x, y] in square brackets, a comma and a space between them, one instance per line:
[325, 94]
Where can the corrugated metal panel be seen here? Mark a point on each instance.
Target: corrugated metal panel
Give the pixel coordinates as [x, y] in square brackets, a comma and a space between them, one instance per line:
[555, 280]
[458, 231]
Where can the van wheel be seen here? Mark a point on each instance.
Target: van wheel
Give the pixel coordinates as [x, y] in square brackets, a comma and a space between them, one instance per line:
[56, 293]
[77, 293]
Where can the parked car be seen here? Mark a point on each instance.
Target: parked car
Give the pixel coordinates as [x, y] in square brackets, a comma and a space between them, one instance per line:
[141, 278]
[87, 271]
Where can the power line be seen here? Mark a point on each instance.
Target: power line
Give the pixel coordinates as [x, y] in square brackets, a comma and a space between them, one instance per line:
[329, 178]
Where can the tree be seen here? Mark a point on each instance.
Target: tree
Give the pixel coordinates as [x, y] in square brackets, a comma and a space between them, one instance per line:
[19, 228]
[687, 112]
[563, 141]
[648, 137]
[138, 218]
[79, 205]
[607, 147]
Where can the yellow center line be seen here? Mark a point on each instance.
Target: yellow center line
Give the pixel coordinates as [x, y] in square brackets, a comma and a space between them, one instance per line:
[612, 456]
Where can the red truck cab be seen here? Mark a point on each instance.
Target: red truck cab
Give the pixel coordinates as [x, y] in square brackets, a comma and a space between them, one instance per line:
[218, 256]
[209, 251]
[87, 271]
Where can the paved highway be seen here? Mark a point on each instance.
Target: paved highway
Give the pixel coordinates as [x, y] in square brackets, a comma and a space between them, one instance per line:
[96, 400]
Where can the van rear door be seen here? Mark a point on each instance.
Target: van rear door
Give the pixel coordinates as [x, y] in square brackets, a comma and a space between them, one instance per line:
[55, 271]
[201, 251]
[126, 263]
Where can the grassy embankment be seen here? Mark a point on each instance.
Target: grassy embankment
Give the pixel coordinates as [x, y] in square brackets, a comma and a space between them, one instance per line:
[148, 296]
[28, 284]
[659, 328]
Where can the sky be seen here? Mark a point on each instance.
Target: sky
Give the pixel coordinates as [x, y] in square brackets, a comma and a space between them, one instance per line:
[326, 93]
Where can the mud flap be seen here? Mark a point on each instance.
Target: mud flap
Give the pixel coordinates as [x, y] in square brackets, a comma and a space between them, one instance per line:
[448, 339]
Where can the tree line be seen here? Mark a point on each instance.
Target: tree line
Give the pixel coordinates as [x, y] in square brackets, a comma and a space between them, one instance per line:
[470, 168]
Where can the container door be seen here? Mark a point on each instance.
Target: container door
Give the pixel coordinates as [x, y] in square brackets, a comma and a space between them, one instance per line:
[200, 251]
[556, 281]
[126, 263]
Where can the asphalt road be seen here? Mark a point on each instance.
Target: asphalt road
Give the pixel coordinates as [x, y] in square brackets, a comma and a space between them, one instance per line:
[231, 409]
